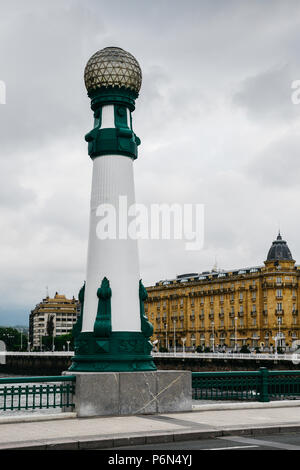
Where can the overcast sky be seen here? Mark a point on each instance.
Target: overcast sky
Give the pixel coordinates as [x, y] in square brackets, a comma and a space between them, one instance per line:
[215, 117]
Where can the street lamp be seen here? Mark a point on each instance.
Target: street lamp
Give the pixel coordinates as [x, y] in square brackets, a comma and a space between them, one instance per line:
[213, 336]
[174, 321]
[28, 346]
[68, 344]
[183, 343]
[235, 333]
[21, 330]
[166, 326]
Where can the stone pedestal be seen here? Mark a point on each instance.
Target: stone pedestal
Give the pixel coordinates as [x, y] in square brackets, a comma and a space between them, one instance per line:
[132, 393]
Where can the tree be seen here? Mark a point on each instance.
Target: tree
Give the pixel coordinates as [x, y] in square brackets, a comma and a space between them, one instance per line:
[12, 339]
[244, 349]
[50, 325]
[60, 342]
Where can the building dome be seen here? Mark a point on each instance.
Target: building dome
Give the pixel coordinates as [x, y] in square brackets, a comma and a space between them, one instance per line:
[279, 251]
[112, 67]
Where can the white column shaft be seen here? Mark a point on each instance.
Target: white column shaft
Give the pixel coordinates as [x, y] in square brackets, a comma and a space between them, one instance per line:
[114, 258]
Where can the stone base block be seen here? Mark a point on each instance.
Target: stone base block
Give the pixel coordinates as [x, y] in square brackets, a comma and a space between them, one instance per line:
[132, 393]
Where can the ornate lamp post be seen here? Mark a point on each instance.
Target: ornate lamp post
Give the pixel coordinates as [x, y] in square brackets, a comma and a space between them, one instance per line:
[235, 333]
[213, 335]
[166, 328]
[174, 331]
[112, 332]
[183, 340]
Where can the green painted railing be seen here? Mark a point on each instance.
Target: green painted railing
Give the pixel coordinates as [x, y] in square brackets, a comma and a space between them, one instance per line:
[262, 385]
[31, 393]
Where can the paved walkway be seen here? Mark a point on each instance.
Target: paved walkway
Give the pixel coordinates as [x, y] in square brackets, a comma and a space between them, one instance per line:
[65, 431]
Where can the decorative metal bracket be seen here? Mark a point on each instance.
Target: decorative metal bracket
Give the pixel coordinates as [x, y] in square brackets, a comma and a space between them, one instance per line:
[102, 326]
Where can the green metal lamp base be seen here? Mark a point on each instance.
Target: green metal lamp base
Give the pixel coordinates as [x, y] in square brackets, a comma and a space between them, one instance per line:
[119, 352]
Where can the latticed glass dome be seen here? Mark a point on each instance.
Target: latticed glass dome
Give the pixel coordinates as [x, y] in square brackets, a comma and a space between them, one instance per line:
[112, 67]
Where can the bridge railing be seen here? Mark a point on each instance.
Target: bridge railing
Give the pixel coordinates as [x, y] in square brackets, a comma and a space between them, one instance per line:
[262, 385]
[218, 355]
[292, 357]
[32, 393]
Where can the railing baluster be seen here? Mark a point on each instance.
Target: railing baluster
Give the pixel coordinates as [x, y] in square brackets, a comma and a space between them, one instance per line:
[31, 396]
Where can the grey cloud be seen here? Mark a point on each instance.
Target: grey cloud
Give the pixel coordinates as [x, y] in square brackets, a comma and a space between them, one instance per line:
[267, 95]
[193, 54]
[278, 165]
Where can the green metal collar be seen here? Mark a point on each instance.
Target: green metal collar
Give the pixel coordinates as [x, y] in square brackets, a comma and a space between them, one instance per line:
[113, 95]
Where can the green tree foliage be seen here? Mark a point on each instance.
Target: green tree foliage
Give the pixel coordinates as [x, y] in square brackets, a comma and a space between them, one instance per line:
[12, 339]
[59, 342]
[244, 349]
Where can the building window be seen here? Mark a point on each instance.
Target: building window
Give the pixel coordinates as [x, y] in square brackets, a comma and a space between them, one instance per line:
[278, 280]
[279, 293]
[279, 306]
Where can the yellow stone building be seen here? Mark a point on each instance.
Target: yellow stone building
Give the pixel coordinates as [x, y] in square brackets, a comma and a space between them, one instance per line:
[257, 306]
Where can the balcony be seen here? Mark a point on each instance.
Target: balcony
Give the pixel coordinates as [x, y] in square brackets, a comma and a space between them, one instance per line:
[279, 312]
[295, 312]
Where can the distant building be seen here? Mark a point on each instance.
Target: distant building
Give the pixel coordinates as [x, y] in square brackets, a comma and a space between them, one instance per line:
[61, 312]
[256, 306]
